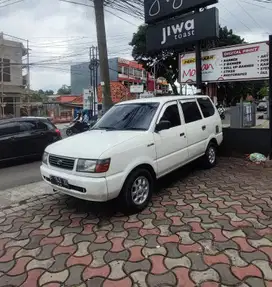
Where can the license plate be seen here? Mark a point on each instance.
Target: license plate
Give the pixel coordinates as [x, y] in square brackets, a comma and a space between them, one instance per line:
[59, 181]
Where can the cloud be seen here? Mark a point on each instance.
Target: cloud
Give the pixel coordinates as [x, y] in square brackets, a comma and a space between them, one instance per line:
[61, 33]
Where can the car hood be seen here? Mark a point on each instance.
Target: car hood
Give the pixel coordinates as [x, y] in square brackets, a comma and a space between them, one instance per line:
[90, 144]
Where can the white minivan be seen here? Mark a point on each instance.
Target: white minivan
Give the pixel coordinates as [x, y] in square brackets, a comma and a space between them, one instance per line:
[131, 146]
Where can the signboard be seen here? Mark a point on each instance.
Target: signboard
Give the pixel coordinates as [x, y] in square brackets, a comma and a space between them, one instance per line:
[185, 30]
[86, 99]
[136, 89]
[156, 10]
[233, 63]
[146, 95]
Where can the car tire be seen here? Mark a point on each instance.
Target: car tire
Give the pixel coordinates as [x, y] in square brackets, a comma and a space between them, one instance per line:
[69, 132]
[135, 198]
[210, 157]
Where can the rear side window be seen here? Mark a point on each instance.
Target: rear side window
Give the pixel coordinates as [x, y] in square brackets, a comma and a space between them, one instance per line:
[45, 125]
[207, 107]
[191, 112]
[9, 129]
[27, 126]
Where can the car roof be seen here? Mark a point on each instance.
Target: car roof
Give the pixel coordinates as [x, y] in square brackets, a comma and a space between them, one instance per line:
[19, 119]
[163, 99]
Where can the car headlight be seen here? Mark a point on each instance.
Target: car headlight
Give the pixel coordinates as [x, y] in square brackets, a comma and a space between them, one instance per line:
[93, 166]
[45, 158]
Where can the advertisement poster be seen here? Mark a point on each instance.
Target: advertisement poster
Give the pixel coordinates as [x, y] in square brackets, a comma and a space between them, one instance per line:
[234, 63]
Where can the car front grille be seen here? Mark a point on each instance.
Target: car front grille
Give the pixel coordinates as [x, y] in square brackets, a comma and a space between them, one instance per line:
[61, 162]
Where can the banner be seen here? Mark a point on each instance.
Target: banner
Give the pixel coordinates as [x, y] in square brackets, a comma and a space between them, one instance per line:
[234, 63]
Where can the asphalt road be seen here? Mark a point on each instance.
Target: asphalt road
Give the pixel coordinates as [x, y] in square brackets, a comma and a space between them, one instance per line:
[21, 173]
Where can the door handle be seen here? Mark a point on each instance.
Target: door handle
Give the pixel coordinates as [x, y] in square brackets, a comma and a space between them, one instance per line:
[203, 128]
[182, 134]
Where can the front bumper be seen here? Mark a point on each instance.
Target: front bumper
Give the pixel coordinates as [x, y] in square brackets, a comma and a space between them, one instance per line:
[87, 188]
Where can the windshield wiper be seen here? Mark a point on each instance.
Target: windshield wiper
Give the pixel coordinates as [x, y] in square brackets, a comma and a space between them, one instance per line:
[105, 128]
[134, 129]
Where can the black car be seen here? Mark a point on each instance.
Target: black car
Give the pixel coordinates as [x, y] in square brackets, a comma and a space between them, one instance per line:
[26, 137]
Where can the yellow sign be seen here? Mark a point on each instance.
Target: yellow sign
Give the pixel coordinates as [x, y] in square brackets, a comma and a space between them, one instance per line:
[192, 60]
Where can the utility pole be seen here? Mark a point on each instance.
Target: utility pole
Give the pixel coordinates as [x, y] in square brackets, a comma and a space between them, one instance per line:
[28, 79]
[103, 54]
[2, 86]
[270, 94]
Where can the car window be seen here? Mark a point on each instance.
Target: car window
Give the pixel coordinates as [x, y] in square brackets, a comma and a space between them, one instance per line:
[171, 114]
[191, 112]
[134, 116]
[9, 128]
[206, 106]
[42, 126]
[27, 126]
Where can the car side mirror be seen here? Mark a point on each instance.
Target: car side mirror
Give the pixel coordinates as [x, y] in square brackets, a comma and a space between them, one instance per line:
[163, 125]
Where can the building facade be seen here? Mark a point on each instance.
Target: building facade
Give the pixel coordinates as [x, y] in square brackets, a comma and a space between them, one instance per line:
[13, 80]
[120, 70]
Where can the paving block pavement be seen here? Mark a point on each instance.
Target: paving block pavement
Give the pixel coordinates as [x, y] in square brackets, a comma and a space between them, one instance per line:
[203, 228]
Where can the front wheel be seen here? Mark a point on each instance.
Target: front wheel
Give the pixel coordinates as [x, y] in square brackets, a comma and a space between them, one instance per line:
[69, 132]
[137, 190]
[210, 157]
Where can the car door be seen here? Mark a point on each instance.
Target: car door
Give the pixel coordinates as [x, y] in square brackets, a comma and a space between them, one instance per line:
[209, 119]
[171, 144]
[195, 128]
[45, 135]
[8, 143]
[26, 139]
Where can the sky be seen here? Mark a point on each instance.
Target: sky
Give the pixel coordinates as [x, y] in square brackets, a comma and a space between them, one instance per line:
[61, 33]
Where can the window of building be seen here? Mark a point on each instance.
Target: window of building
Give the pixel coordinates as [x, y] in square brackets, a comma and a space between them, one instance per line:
[6, 69]
[206, 107]
[120, 69]
[171, 114]
[131, 71]
[126, 70]
[138, 73]
[191, 112]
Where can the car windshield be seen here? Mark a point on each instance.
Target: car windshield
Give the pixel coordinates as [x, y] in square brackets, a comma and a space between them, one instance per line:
[134, 116]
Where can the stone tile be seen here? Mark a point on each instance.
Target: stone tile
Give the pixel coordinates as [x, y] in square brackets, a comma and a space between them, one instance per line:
[208, 275]
[226, 276]
[75, 275]
[131, 267]
[167, 279]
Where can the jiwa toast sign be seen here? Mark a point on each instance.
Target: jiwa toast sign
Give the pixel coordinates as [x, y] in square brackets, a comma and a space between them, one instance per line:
[233, 63]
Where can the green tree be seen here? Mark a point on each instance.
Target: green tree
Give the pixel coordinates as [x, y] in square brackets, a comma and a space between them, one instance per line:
[64, 90]
[168, 67]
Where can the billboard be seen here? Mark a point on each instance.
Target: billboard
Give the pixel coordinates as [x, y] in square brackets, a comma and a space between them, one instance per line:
[177, 32]
[233, 63]
[156, 10]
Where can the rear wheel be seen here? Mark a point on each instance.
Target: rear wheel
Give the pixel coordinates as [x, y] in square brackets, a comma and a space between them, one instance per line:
[137, 190]
[210, 157]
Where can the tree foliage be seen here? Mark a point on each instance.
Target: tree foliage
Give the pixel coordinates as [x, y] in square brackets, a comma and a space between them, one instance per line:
[168, 65]
[64, 90]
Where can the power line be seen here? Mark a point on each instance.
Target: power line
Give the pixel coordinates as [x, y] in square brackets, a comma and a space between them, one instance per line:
[237, 18]
[249, 15]
[10, 2]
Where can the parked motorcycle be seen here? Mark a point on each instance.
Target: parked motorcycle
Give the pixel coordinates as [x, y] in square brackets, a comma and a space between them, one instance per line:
[221, 112]
[76, 128]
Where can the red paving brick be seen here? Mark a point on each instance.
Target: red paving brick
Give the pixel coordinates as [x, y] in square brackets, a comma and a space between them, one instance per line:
[207, 229]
